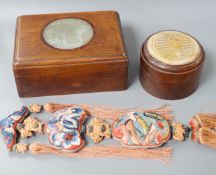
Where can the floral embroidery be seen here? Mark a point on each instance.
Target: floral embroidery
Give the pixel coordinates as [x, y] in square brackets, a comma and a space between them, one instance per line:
[65, 140]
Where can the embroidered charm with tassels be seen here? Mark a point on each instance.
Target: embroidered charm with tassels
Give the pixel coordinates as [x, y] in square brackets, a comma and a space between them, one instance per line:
[136, 129]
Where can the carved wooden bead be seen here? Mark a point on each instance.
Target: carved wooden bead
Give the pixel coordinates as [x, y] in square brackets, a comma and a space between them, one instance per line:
[35, 108]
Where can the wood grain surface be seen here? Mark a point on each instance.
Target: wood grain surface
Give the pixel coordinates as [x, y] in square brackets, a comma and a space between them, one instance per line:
[100, 65]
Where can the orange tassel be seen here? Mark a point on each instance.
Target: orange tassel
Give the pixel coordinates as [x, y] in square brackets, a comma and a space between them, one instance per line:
[161, 154]
[53, 107]
[205, 120]
[203, 129]
[206, 136]
[105, 112]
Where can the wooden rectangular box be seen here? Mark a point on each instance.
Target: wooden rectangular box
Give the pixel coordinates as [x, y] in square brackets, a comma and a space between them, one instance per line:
[41, 70]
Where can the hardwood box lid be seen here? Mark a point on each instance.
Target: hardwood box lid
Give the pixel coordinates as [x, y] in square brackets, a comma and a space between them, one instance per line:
[106, 45]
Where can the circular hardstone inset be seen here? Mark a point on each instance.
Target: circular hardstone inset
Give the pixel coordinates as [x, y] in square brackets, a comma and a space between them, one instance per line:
[68, 33]
[173, 48]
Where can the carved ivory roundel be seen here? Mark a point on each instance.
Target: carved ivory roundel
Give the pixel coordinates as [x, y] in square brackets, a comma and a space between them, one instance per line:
[173, 48]
[68, 33]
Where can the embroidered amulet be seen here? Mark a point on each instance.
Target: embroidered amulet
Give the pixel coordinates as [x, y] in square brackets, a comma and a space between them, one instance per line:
[148, 130]
[64, 129]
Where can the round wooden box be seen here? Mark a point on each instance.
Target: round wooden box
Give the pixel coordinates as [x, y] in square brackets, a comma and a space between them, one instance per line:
[171, 64]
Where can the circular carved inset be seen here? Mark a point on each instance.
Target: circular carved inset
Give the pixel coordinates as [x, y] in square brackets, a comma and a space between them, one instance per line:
[68, 33]
[173, 48]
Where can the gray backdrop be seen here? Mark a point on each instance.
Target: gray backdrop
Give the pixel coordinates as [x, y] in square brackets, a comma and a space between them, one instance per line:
[139, 19]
